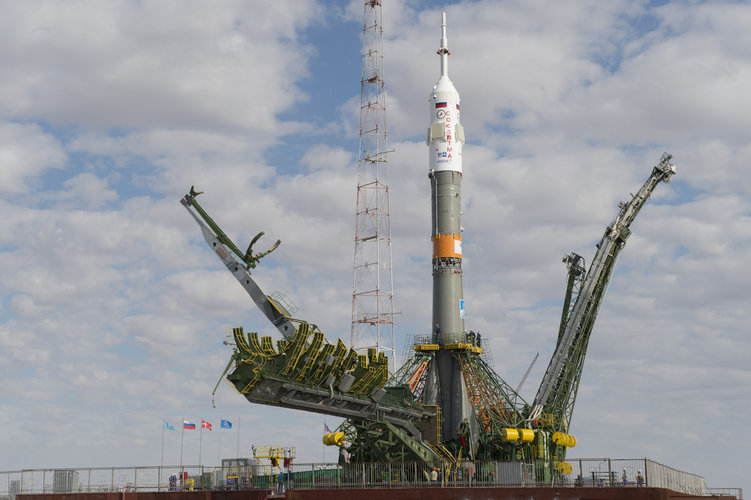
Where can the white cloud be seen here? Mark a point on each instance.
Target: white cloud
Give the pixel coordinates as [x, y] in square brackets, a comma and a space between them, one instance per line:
[88, 190]
[26, 151]
[169, 64]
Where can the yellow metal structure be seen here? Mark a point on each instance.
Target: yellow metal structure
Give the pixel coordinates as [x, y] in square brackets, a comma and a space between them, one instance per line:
[565, 468]
[333, 438]
[510, 435]
[526, 435]
[277, 452]
[274, 454]
[463, 346]
[523, 435]
[562, 439]
[426, 347]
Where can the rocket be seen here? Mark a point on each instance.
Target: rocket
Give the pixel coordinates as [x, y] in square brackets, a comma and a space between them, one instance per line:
[445, 139]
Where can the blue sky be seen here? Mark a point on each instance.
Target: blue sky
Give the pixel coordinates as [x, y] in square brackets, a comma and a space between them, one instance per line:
[112, 312]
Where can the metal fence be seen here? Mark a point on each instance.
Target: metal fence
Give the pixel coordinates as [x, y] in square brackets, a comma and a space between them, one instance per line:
[604, 472]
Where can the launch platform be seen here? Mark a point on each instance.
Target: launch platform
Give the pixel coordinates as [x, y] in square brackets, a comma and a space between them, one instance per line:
[395, 494]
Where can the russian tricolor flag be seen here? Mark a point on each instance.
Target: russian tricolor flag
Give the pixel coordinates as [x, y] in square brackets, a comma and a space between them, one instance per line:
[187, 424]
[440, 105]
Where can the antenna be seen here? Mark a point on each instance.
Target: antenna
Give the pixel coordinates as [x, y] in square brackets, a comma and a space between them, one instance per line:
[372, 295]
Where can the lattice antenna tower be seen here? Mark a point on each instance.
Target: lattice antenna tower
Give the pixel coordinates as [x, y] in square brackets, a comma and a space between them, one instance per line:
[373, 296]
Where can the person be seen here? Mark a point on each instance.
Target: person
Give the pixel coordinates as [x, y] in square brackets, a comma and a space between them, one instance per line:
[275, 472]
[479, 340]
[437, 333]
[434, 475]
[624, 476]
[639, 478]
[578, 481]
[280, 483]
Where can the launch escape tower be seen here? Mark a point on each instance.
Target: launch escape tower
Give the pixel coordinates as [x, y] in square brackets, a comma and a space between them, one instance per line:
[445, 403]
[372, 291]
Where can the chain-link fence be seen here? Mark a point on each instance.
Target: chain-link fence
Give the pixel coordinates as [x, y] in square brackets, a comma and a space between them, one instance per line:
[604, 472]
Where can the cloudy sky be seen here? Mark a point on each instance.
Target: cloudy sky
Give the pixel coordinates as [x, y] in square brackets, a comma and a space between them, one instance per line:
[113, 311]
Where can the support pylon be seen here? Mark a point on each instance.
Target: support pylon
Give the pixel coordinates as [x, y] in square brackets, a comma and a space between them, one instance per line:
[372, 295]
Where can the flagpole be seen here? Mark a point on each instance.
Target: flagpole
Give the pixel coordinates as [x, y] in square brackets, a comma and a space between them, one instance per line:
[237, 455]
[219, 454]
[200, 440]
[159, 480]
[164, 424]
[182, 436]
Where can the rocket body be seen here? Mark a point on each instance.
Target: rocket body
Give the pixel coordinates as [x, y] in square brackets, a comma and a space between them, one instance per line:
[445, 139]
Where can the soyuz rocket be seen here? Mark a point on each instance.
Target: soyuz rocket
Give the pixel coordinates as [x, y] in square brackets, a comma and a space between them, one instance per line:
[445, 139]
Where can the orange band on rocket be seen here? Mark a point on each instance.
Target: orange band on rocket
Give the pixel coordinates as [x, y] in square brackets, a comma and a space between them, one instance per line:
[447, 245]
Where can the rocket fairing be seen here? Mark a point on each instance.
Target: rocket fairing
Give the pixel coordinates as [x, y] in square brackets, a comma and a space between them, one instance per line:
[445, 134]
[445, 139]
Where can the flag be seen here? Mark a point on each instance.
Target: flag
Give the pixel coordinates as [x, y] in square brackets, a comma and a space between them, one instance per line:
[226, 424]
[168, 426]
[187, 424]
[326, 428]
[205, 424]
[440, 104]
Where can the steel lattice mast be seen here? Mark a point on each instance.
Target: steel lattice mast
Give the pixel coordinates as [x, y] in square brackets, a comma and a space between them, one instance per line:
[557, 392]
[372, 296]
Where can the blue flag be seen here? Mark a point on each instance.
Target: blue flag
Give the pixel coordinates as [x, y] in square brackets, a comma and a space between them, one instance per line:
[226, 424]
[168, 426]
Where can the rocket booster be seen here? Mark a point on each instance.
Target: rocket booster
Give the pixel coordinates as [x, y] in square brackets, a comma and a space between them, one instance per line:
[445, 139]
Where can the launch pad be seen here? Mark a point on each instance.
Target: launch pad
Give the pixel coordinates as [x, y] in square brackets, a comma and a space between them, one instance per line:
[445, 404]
